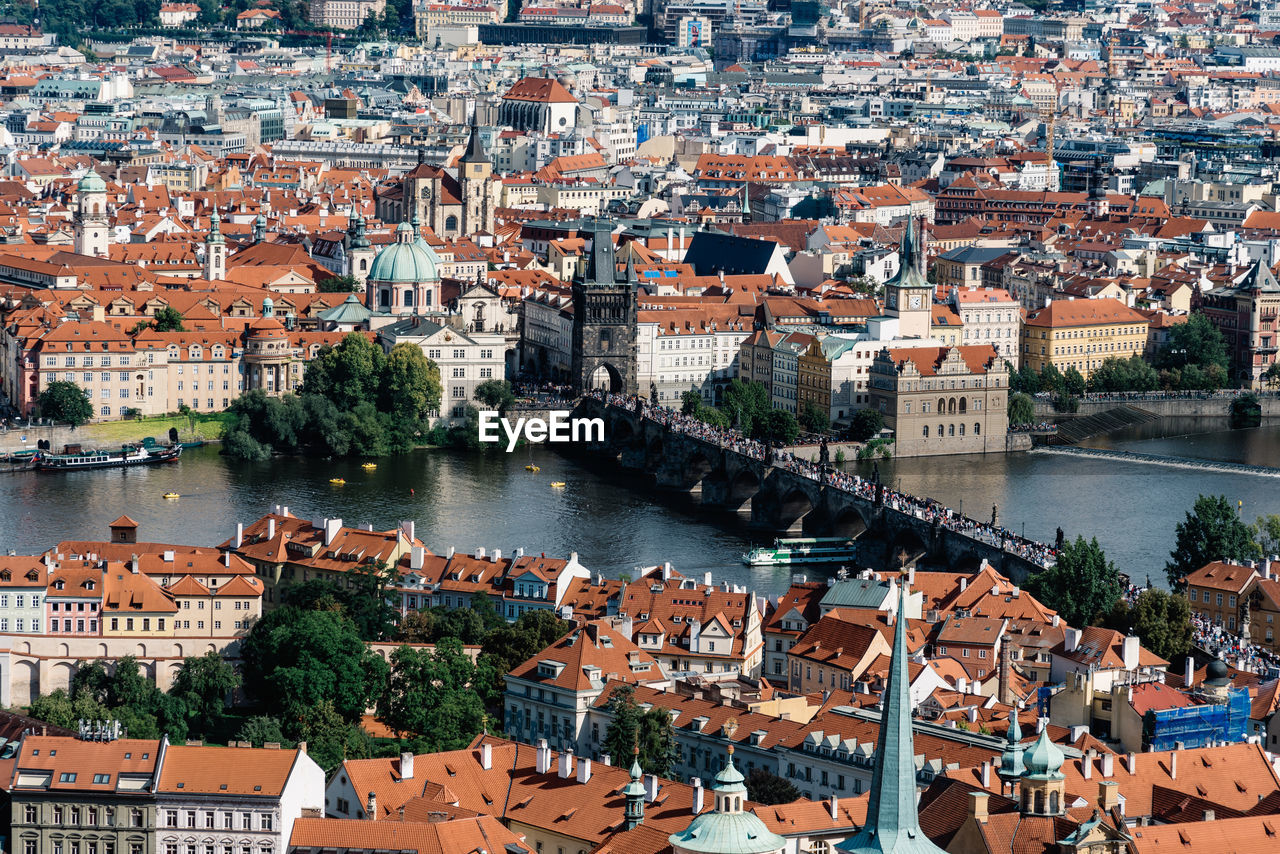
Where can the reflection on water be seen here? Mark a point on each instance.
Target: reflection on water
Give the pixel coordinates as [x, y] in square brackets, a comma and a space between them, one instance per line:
[473, 500]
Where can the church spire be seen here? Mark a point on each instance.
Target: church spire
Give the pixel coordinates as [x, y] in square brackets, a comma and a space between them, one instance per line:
[893, 823]
[634, 792]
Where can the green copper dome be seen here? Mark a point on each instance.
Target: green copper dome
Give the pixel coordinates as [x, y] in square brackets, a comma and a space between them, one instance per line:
[1044, 759]
[407, 261]
[727, 829]
[1011, 765]
[92, 183]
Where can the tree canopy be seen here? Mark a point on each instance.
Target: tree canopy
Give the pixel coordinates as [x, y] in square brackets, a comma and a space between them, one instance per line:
[766, 787]
[814, 418]
[632, 726]
[1022, 409]
[1081, 585]
[338, 285]
[294, 660]
[432, 696]
[168, 319]
[1161, 620]
[865, 424]
[495, 394]
[1212, 531]
[354, 401]
[63, 400]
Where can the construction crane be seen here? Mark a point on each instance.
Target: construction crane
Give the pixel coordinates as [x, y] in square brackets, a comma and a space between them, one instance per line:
[328, 44]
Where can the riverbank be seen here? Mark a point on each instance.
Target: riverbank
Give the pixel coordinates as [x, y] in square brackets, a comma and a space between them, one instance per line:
[207, 428]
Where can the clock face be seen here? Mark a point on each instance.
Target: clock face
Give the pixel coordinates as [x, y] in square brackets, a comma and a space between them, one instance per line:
[916, 300]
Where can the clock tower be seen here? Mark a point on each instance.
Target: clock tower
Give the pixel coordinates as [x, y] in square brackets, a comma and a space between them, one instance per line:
[908, 296]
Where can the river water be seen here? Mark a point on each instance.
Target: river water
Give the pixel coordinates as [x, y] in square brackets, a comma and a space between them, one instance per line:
[490, 500]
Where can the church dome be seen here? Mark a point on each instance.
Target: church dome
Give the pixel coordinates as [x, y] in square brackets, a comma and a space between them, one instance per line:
[727, 829]
[407, 261]
[91, 183]
[1044, 759]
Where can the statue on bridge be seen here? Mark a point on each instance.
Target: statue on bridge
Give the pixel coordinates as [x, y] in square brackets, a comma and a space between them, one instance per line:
[824, 454]
[1057, 543]
[995, 516]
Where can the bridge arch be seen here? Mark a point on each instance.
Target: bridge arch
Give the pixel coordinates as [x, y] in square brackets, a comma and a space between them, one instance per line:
[793, 510]
[850, 523]
[606, 377]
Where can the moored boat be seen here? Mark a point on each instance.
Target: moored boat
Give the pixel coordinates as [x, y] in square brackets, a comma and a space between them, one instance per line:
[802, 550]
[128, 455]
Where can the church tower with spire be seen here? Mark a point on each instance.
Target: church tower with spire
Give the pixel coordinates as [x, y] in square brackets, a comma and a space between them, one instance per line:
[908, 296]
[215, 250]
[893, 822]
[475, 176]
[92, 229]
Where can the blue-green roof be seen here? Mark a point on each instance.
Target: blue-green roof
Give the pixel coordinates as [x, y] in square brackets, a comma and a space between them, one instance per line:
[92, 183]
[349, 311]
[1044, 759]
[727, 833]
[407, 261]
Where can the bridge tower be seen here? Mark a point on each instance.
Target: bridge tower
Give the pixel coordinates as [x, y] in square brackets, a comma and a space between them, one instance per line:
[604, 320]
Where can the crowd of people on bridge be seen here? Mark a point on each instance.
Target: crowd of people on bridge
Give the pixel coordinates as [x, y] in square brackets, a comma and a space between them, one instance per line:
[926, 509]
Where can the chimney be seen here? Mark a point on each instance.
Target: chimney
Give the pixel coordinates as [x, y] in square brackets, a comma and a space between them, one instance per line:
[584, 769]
[833, 807]
[986, 776]
[1086, 765]
[566, 765]
[1108, 764]
[406, 766]
[1070, 640]
[239, 540]
[1173, 765]
[978, 806]
[1133, 762]
[543, 757]
[331, 528]
[133, 565]
[497, 555]
[271, 529]
[650, 788]
[407, 528]
[1108, 795]
[486, 756]
[1209, 815]
[964, 584]
[371, 807]
[302, 745]
[417, 556]
[479, 552]
[606, 760]
[1189, 672]
[226, 559]
[1130, 653]
[696, 782]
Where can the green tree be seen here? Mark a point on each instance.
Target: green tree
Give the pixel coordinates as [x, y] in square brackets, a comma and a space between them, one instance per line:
[1051, 379]
[509, 645]
[63, 400]
[690, 402]
[262, 729]
[743, 403]
[432, 696]
[495, 394]
[1116, 374]
[59, 709]
[329, 735]
[1266, 532]
[814, 418]
[865, 424]
[411, 386]
[1212, 531]
[1196, 343]
[417, 627]
[338, 285]
[1073, 382]
[348, 374]
[1272, 375]
[204, 685]
[1022, 409]
[1082, 585]
[1028, 381]
[650, 729]
[765, 787]
[168, 319]
[776, 425]
[711, 415]
[293, 660]
[1162, 621]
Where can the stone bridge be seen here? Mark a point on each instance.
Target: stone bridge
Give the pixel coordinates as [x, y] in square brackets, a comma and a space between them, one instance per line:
[773, 499]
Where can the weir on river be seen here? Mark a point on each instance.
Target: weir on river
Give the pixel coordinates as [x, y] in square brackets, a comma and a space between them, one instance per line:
[1159, 460]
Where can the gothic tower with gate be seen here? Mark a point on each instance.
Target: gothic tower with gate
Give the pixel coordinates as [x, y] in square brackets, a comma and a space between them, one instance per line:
[604, 320]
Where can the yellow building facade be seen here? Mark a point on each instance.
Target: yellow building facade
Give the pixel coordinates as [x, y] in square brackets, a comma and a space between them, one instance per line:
[1082, 334]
